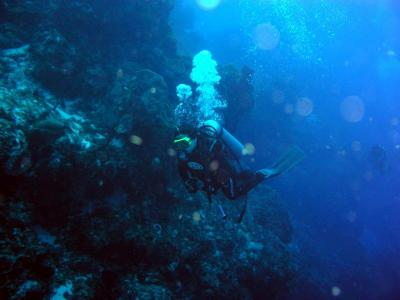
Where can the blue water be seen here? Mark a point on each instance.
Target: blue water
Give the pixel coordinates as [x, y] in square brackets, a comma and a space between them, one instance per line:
[327, 78]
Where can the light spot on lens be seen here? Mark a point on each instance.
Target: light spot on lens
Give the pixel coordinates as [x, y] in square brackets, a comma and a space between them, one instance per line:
[171, 152]
[351, 216]
[289, 109]
[356, 146]
[336, 291]
[136, 140]
[304, 107]
[214, 165]
[266, 36]
[248, 149]
[196, 217]
[394, 121]
[391, 53]
[120, 73]
[395, 135]
[278, 97]
[208, 4]
[153, 90]
[352, 109]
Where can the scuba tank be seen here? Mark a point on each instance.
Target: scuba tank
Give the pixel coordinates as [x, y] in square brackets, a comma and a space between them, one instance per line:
[212, 129]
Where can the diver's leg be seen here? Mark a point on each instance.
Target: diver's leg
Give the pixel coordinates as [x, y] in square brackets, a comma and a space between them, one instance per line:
[287, 161]
[240, 186]
[248, 183]
[229, 189]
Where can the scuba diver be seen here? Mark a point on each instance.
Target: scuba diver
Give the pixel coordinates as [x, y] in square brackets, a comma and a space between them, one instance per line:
[211, 159]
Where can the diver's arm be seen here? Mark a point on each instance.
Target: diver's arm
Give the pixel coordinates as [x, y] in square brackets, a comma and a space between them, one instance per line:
[190, 184]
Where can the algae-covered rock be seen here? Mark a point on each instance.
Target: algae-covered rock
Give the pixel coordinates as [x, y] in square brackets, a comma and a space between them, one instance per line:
[146, 97]
[90, 197]
[57, 63]
[46, 130]
[269, 212]
[14, 154]
[2, 8]
[142, 108]
[27, 265]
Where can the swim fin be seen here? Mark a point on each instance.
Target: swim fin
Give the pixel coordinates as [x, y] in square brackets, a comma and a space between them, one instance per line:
[287, 161]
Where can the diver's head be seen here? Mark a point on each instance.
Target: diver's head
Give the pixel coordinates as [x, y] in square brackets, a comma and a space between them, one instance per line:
[210, 129]
[183, 142]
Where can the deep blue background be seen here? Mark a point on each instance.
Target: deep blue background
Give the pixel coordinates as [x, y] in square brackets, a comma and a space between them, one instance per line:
[345, 212]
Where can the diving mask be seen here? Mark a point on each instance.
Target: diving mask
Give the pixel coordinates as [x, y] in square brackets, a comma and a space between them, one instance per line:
[182, 142]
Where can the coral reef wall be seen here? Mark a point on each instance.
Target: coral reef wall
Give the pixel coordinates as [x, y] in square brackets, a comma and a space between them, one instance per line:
[90, 202]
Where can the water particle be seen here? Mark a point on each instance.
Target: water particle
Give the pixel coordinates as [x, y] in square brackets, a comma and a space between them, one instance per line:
[136, 140]
[208, 4]
[356, 146]
[196, 217]
[248, 149]
[153, 90]
[289, 109]
[304, 107]
[266, 36]
[171, 152]
[352, 109]
[156, 161]
[395, 135]
[351, 216]
[336, 291]
[278, 97]
[394, 121]
[120, 73]
[214, 165]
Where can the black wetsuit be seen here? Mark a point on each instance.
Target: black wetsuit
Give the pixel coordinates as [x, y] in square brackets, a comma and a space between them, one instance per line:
[212, 166]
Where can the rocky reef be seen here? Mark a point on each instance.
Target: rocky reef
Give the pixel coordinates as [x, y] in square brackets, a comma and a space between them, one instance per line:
[91, 206]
